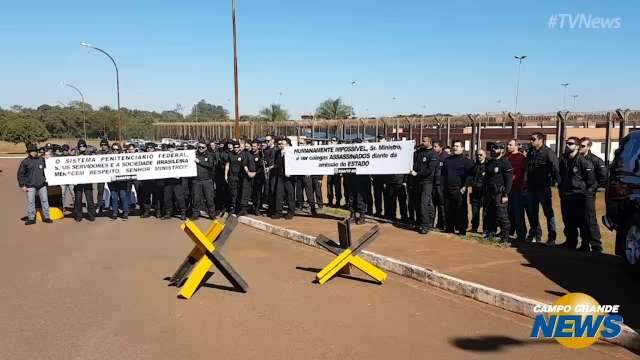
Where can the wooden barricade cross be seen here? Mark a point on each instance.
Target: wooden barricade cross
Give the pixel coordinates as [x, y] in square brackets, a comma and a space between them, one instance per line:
[348, 255]
[206, 253]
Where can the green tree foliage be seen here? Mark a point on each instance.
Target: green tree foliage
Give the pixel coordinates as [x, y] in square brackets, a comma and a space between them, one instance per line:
[274, 113]
[203, 111]
[22, 128]
[334, 109]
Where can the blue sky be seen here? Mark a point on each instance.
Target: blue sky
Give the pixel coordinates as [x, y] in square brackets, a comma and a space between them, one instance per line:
[433, 56]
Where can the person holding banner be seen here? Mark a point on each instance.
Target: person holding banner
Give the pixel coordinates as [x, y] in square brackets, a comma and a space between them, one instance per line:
[425, 164]
[104, 149]
[151, 189]
[119, 192]
[334, 185]
[285, 185]
[86, 189]
[173, 189]
[31, 180]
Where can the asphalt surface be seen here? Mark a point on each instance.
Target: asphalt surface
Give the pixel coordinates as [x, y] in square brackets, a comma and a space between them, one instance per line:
[97, 291]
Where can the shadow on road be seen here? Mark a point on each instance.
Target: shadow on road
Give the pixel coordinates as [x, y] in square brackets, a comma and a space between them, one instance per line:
[344, 276]
[601, 276]
[493, 343]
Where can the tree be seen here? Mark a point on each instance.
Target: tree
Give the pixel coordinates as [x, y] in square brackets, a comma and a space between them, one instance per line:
[203, 111]
[23, 129]
[334, 109]
[273, 113]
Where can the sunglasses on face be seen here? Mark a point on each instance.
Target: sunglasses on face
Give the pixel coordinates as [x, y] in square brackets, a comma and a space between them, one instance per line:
[570, 143]
[202, 147]
[583, 146]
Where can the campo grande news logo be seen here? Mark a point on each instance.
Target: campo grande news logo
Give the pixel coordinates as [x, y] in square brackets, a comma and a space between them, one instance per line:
[576, 321]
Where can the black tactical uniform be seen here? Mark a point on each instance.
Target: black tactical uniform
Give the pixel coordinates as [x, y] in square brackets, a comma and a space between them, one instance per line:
[577, 184]
[87, 189]
[285, 188]
[378, 192]
[456, 170]
[257, 193]
[477, 195]
[173, 188]
[203, 185]
[498, 179]
[222, 188]
[270, 178]
[601, 174]
[425, 164]
[395, 191]
[439, 216]
[150, 189]
[334, 189]
[246, 181]
[236, 163]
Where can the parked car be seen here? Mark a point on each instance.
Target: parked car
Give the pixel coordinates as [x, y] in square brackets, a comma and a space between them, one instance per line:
[623, 200]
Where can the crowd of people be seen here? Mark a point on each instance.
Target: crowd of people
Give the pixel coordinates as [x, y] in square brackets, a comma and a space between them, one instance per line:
[505, 184]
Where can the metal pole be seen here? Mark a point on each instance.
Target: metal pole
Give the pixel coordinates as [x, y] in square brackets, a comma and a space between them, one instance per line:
[235, 68]
[519, 58]
[84, 118]
[117, 84]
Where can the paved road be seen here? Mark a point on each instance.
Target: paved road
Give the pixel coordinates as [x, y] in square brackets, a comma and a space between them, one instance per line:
[96, 291]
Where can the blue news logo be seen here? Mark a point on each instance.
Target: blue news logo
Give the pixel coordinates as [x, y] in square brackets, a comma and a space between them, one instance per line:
[577, 321]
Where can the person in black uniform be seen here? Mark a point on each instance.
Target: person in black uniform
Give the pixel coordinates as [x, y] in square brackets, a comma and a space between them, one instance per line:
[358, 186]
[455, 172]
[477, 191]
[577, 184]
[233, 170]
[257, 190]
[498, 179]
[247, 174]
[150, 189]
[542, 173]
[285, 186]
[87, 189]
[439, 216]
[395, 192]
[425, 164]
[334, 185]
[104, 149]
[601, 173]
[203, 183]
[268, 154]
[173, 189]
[222, 188]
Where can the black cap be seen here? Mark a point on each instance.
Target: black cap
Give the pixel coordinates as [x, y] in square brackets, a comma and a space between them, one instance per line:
[81, 142]
[104, 142]
[334, 139]
[150, 145]
[357, 140]
[65, 147]
[171, 145]
[32, 147]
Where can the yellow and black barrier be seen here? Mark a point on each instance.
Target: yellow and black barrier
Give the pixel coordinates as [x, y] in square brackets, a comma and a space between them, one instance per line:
[206, 253]
[347, 254]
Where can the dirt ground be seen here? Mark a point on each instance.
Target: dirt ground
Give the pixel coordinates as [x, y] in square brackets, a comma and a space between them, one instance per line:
[97, 291]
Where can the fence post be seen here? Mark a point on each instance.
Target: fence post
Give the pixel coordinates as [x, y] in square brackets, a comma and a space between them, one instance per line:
[472, 149]
[622, 115]
[607, 144]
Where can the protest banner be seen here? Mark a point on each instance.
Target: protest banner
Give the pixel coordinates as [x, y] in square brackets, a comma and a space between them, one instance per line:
[393, 157]
[92, 169]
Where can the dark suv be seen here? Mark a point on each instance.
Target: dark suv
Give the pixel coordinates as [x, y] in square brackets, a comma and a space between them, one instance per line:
[623, 199]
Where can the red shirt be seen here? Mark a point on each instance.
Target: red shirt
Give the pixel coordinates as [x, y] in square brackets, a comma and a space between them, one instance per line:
[519, 164]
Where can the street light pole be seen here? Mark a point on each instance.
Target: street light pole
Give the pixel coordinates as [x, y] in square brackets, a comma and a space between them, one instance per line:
[235, 68]
[564, 96]
[574, 102]
[519, 58]
[84, 117]
[117, 84]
